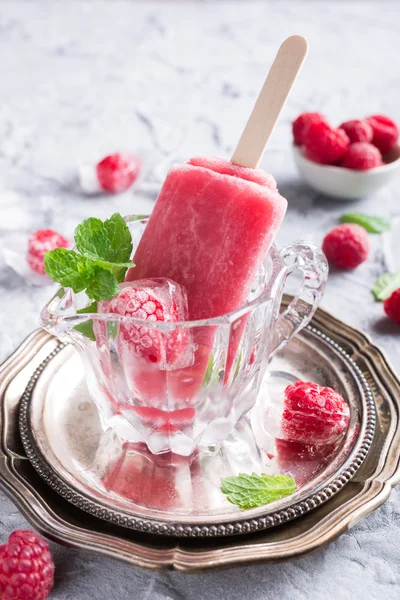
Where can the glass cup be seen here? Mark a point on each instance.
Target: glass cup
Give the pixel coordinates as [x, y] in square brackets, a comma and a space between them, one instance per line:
[208, 372]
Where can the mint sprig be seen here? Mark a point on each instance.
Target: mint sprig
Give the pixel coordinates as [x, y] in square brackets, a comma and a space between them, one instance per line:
[101, 259]
[371, 224]
[385, 285]
[249, 491]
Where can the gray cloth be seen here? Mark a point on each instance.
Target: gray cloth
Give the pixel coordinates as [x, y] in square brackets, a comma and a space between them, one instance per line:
[169, 80]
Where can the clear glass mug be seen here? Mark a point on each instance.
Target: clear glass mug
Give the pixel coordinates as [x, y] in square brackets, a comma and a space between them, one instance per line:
[199, 398]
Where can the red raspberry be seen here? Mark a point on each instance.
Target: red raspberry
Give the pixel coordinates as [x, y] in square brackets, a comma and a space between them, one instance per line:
[147, 300]
[392, 306]
[386, 132]
[361, 156]
[26, 567]
[346, 246]
[325, 145]
[357, 130]
[301, 124]
[117, 172]
[41, 242]
[313, 414]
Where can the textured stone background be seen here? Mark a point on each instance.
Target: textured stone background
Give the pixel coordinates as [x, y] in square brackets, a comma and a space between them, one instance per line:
[167, 80]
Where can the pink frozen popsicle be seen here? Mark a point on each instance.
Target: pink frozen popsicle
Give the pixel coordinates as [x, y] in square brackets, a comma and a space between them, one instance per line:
[210, 230]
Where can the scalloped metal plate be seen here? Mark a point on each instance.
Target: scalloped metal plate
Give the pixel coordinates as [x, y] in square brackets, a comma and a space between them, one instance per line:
[63, 522]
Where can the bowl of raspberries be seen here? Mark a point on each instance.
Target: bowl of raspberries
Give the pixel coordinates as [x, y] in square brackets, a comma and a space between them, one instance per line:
[350, 161]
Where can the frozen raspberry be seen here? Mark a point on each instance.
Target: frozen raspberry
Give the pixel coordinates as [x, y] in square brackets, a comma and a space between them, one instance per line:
[117, 172]
[300, 125]
[150, 300]
[41, 242]
[358, 131]
[361, 156]
[324, 144]
[346, 246]
[313, 414]
[386, 132]
[392, 306]
[26, 567]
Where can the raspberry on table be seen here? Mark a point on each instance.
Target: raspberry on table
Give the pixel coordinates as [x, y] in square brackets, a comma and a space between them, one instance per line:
[346, 246]
[313, 414]
[392, 306]
[117, 172]
[386, 132]
[303, 121]
[361, 156]
[26, 567]
[358, 130]
[324, 144]
[40, 242]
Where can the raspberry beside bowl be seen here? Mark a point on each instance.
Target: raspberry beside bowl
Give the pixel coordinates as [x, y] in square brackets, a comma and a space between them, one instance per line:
[347, 184]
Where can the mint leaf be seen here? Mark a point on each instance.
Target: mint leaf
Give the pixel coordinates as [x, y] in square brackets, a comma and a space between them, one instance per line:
[249, 491]
[91, 239]
[385, 285]
[103, 285]
[371, 224]
[119, 238]
[68, 268]
[86, 328]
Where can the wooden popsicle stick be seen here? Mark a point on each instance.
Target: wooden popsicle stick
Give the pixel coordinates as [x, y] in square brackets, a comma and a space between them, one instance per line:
[270, 102]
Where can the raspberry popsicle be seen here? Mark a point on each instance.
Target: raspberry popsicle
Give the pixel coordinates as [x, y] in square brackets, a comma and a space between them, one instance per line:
[211, 228]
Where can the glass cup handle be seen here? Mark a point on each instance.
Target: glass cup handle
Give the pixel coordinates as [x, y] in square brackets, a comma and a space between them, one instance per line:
[311, 261]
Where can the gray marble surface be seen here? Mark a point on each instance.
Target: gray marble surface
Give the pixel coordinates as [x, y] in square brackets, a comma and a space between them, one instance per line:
[167, 80]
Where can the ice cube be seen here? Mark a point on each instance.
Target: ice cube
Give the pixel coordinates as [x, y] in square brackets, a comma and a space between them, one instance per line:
[88, 179]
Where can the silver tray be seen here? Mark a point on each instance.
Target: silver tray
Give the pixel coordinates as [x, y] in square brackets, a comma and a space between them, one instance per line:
[60, 520]
[180, 496]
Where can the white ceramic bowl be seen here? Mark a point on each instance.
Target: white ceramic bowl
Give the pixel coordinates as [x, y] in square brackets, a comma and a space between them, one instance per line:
[347, 184]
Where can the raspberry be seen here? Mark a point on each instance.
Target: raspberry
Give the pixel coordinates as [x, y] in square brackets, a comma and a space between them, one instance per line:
[346, 246]
[301, 124]
[392, 306]
[41, 242]
[150, 300]
[324, 144]
[117, 172]
[26, 567]
[358, 131]
[361, 156]
[385, 131]
[313, 414]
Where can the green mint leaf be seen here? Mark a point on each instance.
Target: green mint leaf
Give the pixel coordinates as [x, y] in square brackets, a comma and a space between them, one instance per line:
[385, 285]
[249, 491]
[91, 239]
[371, 224]
[86, 329]
[67, 268]
[119, 238]
[111, 266]
[103, 285]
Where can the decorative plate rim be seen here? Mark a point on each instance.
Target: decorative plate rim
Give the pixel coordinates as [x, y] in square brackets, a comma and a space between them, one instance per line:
[237, 526]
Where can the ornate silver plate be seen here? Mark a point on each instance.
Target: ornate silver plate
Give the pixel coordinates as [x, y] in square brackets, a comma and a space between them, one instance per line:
[61, 520]
[180, 496]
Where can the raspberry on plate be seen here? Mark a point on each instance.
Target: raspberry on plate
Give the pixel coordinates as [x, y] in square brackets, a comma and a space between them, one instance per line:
[117, 172]
[324, 144]
[361, 156]
[358, 130]
[26, 567]
[303, 121]
[313, 414]
[386, 132]
[150, 300]
[392, 306]
[346, 246]
[40, 242]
